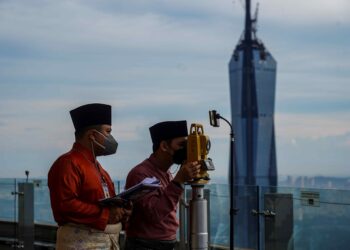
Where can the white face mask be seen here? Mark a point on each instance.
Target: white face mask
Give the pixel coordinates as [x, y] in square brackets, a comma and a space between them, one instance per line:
[109, 145]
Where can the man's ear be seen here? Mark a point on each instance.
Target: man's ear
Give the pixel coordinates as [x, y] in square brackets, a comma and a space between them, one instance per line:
[164, 146]
[90, 134]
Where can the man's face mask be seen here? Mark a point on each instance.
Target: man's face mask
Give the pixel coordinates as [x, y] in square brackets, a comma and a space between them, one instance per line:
[109, 145]
[180, 155]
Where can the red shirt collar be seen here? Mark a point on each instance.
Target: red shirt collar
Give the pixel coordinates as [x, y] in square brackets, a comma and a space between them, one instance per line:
[84, 151]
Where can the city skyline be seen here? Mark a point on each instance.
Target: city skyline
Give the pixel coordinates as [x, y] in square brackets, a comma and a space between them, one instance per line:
[156, 60]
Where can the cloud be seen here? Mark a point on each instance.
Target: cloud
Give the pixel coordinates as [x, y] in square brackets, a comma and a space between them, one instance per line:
[68, 32]
[292, 126]
[161, 60]
[326, 155]
[163, 29]
[306, 13]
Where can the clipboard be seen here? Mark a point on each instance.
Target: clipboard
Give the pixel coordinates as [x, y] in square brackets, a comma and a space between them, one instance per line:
[133, 193]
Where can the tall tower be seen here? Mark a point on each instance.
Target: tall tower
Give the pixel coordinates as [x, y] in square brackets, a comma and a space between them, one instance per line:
[252, 71]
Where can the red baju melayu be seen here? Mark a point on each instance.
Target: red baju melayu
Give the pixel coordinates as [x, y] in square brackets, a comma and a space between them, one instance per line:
[154, 216]
[75, 187]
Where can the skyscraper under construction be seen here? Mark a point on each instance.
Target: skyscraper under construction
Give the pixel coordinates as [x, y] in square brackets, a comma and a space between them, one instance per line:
[252, 71]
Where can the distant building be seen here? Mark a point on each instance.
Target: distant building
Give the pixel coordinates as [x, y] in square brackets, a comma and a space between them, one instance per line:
[318, 182]
[252, 71]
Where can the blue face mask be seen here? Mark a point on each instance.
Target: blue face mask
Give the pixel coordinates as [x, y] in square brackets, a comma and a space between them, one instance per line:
[109, 145]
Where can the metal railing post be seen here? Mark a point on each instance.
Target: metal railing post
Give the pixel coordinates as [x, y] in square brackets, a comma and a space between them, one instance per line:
[26, 215]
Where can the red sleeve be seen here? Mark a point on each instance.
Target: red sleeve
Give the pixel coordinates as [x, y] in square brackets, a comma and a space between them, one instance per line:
[157, 204]
[65, 183]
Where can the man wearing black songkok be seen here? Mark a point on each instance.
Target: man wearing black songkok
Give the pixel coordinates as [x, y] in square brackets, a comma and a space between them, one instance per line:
[77, 182]
[153, 223]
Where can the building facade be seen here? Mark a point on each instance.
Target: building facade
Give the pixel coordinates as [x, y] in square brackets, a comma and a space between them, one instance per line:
[252, 72]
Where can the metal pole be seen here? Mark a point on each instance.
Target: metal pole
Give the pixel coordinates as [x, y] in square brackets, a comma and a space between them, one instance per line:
[15, 215]
[214, 117]
[232, 195]
[259, 209]
[232, 173]
[198, 219]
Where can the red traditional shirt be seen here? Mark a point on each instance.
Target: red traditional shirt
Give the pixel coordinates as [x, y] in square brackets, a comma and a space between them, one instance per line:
[154, 216]
[75, 186]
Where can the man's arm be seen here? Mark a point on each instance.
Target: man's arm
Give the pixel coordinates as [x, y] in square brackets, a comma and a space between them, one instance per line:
[64, 181]
[160, 203]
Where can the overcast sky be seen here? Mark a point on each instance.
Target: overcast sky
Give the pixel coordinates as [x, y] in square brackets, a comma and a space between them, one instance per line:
[156, 60]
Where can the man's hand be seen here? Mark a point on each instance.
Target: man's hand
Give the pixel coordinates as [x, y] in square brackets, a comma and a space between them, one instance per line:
[127, 211]
[187, 172]
[116, 214]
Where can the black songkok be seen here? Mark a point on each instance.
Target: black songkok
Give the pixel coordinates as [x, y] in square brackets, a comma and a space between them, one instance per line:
[168, 130]
[91, 115]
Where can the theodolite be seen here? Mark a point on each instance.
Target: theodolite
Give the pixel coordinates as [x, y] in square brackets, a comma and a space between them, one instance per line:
[198, 146]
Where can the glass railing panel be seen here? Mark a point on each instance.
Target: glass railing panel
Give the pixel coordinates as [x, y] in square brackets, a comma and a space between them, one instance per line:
[307, 219]
[8, 199]
[219, 215]
[246, 224]
[42, 206]
[275, 218]
[285, 218]
[246, 200]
